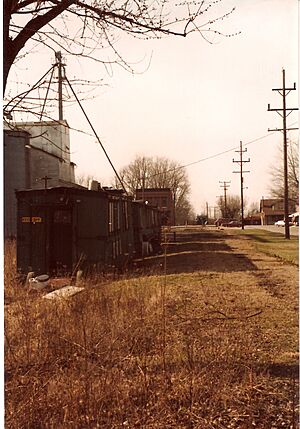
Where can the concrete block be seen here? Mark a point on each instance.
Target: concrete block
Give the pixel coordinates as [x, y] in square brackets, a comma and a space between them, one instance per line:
[63, 293]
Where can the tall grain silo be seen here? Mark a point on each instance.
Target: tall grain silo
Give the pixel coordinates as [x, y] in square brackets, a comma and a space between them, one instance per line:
[36, 155]
[50, 153]
[16, 174]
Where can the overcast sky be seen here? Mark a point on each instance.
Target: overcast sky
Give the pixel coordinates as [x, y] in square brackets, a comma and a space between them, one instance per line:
[192, 100]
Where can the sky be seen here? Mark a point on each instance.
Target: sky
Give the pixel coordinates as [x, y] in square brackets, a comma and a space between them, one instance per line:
[191, 101]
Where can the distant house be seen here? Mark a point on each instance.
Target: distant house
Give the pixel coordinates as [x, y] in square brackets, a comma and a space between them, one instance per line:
[36, 155]
[272, 210]
[161, 198]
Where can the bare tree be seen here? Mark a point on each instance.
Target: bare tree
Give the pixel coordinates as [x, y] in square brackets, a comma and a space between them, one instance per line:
[253, 209]
[147, 172]
[185, 213]
[83, 27]
[233, 206]
[277, 174]
[84, 179]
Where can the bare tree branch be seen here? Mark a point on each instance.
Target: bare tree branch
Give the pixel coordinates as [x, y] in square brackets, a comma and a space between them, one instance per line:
[277, 175]
[160, 172]
[97, 22]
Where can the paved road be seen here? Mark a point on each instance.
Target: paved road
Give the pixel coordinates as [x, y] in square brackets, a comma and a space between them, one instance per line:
[294, 230]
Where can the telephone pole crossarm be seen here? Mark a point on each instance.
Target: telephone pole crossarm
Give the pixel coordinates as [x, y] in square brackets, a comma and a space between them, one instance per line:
[281, 129]
[286, 89]
[282, 110]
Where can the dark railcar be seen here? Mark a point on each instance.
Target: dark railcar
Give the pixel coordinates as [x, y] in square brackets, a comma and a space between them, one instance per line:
[146, 228]
[60, 230]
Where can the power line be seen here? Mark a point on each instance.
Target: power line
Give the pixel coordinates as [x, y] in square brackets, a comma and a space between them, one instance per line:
[23, 95]
[215, 155]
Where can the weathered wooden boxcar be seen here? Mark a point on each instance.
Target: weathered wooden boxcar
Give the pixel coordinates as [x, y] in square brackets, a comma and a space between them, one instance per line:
[146, 228]
[63, 229]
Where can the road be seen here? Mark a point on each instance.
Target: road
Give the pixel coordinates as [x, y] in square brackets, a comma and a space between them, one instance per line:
[294, 230]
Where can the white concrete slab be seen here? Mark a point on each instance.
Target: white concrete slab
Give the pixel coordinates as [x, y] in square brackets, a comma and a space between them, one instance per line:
[63, 293]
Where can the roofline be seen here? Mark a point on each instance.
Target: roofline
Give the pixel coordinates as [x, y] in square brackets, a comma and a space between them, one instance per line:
[153, 189]
[75, 188]
[36, 123]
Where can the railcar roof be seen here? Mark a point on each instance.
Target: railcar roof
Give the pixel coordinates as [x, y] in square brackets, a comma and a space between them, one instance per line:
[71, 190]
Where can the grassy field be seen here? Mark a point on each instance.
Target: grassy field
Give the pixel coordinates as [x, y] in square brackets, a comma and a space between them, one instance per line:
[273, 244]
[214, 347]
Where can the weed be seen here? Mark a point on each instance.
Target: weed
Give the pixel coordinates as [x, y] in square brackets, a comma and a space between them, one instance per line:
[187, 350]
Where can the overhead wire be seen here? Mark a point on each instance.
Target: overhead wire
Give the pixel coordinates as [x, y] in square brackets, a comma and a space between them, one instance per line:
[96, 135]
[46, 96]
[23, 95]
[215, 155]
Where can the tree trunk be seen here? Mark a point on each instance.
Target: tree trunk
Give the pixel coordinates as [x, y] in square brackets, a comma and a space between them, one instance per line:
[6, 41]
[11, 48]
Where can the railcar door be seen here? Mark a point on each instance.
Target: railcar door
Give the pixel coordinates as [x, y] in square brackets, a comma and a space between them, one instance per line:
[37, 222]
[60, 251]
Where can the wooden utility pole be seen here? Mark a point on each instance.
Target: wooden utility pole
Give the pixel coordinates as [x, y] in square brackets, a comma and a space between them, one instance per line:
[46, 179]
[225, 187]
[284, 112]
[241, 162]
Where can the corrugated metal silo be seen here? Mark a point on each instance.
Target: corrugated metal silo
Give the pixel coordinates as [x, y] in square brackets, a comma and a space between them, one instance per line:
[16, 175]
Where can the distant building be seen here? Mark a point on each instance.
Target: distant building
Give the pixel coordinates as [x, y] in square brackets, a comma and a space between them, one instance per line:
[272, 210]
[161, 198]
[36, 155]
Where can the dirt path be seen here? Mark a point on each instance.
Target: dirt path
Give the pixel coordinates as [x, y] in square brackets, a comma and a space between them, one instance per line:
[216, 251]
[230, 265]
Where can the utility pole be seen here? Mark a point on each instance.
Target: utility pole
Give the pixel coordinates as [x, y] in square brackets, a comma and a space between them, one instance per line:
[45, 179]
[60, 67]
[241, 162]
[284, 112]
[225, 187]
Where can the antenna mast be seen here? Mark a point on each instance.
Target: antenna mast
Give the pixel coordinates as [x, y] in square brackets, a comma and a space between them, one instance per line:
[60, 67]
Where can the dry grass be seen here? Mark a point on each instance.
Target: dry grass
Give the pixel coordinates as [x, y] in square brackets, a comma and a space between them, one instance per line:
[14, 289]
[274, 243]
[188, 350]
